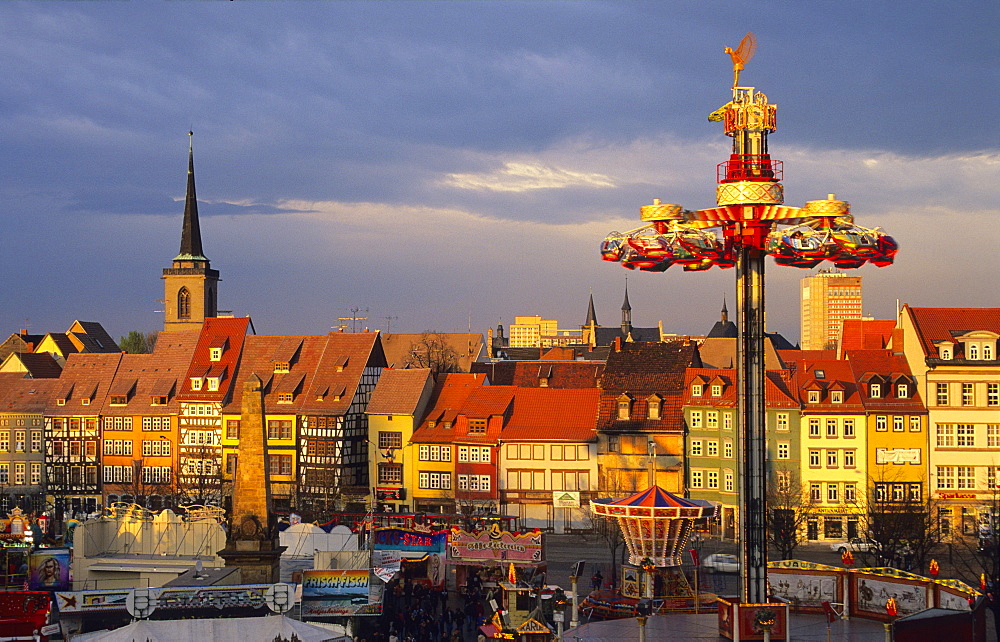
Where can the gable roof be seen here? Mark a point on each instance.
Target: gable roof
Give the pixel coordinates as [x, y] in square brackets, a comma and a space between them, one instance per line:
[232, 328]
[652, 366]
[944, 324]
[889, 369]
[91, 375]
[553, 414]
[159, 373]
[720, 352]
[40, 365]
[447, 399]
[399, 392]
[20, 395]
[90, 336]
[864, 334]
[399, 348]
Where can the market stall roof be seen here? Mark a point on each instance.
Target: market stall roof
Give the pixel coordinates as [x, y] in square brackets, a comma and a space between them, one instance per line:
[245, 628]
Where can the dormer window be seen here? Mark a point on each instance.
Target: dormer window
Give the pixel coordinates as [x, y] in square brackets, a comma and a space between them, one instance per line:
[716, 390]
[195, 383]
[697, 389]
[624, 407]
[836, 396]
[60, 402]
[972, 351]
[119, 400]
[902, 391]
[813, 396]
[85, 401]
[945, 351]
[158, 400]
[987, 352]
[874, 390]
[477, 426]
[213, 383]
[215, 354]
[431, 424]
[653, 407]
[543, 382]
[285, 397]
[281, 366]
[821, 374]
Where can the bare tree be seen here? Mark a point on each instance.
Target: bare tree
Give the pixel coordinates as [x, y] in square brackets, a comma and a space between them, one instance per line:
[433, 351]
[977, 558]
[146, 483]
[789, 506]
[202, 479]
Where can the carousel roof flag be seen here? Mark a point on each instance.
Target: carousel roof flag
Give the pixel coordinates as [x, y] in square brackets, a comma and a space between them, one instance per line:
[656, 524]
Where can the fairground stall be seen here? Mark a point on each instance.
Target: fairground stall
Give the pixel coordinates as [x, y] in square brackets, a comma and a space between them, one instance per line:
[481, 559]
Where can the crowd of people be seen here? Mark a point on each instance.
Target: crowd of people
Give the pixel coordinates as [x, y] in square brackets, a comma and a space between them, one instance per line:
[412, 612]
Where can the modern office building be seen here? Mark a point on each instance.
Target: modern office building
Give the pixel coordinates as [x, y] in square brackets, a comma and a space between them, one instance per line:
[827, 298]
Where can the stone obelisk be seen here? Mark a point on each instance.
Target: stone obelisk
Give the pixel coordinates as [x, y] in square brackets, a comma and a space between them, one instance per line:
[252, 543]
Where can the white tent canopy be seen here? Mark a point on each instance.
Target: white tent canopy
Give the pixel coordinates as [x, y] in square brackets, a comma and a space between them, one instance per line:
[237, 628]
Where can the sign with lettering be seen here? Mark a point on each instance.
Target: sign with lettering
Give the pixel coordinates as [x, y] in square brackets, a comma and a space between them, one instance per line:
[411, 543]
[276, 597]
[494, 545]
[957, 495]
[566, 498]
[339, 593]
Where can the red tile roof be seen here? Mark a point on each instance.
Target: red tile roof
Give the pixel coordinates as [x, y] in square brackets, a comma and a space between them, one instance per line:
[91, 375]
[944, 324]
[233, 328]
[552, 414]
[888, 369]
[865, 334]
[824, 375]
[448, 397]
[160, 373]
[18, 394]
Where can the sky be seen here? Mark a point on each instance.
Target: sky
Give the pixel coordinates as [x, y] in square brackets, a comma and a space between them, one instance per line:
[449, 165]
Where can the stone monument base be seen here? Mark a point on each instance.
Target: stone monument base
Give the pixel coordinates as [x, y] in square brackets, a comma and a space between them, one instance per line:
[259, 561]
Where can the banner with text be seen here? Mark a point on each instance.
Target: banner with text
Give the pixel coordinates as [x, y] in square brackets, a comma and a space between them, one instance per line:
[494, 546]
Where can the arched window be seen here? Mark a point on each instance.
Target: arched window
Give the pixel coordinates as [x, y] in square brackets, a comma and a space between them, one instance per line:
[184, 304]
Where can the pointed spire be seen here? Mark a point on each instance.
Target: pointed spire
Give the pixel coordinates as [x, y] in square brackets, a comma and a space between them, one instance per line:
[626, 313]
[626, 306]
[591, 313]
[191, 232]
[725, 312]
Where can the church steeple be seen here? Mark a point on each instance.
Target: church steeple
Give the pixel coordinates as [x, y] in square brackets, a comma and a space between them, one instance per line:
[591, 313]
[190, 285]
[725, 312]
[626, 314]
[191, 231]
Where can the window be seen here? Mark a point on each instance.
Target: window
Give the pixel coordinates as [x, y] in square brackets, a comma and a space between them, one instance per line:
[814, 459]
[36, 473]
[966, 476]
[833, 493]
[437, 453]
[781, 419]
[36, 441]
[119, 400]
[881, 423]
[832, 458]
[849, 428]
[784, 450]
[898, 423]
[390, 473]
[993, 435]
[993, 394]
[696, 478]
[942, 394]
[280, 464]
[716, 390]
[729, 481]
[696, 389]
[837, 396]
[283, 397]
[696, 419]
[712, 479]
[992, 477]
[874, 390]
[813, 396]
[850, 492]
[154, 448]
[849, 458]
[696, 448]
[987, 352]
[972, 351]
[200, 438]
[477, 483]
[915, 493]
[653, 407]
[831, 428]
[965, 435]
[613, 443]
[184, 304]
[712, 419]
[388, 439]
[215, 354]
[4, 473]
[945, 477]
[968, 398]
[945, 352]
[20, 437]
[814, 427]
[118, 423]
[279, 429]
[158, 400]
[233, 428]
[477, 454]
[727, 449]
[624, 407]
[477, 426]
[815, 492]
[945, 434]
[915, 423]
[711, 448]
[727, 421]
[902, 391]
[195, 383]
[784, 478]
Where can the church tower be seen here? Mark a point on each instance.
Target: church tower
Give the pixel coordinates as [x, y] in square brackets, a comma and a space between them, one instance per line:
[626, 315]
[190, 285]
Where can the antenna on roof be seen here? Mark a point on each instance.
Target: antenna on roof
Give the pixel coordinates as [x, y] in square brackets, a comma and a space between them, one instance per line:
[354, 318]
[388, 324]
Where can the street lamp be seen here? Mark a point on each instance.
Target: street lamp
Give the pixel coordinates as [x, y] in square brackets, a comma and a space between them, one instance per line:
[749, 198]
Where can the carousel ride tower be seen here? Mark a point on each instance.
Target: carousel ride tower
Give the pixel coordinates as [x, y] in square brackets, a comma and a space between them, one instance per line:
[754, 222]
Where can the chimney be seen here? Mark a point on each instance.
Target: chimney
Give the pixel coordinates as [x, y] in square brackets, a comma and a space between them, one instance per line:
[616, 345]
[897, 341]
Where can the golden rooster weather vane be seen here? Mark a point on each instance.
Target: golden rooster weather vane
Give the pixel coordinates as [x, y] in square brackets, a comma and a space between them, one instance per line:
[742, 55]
